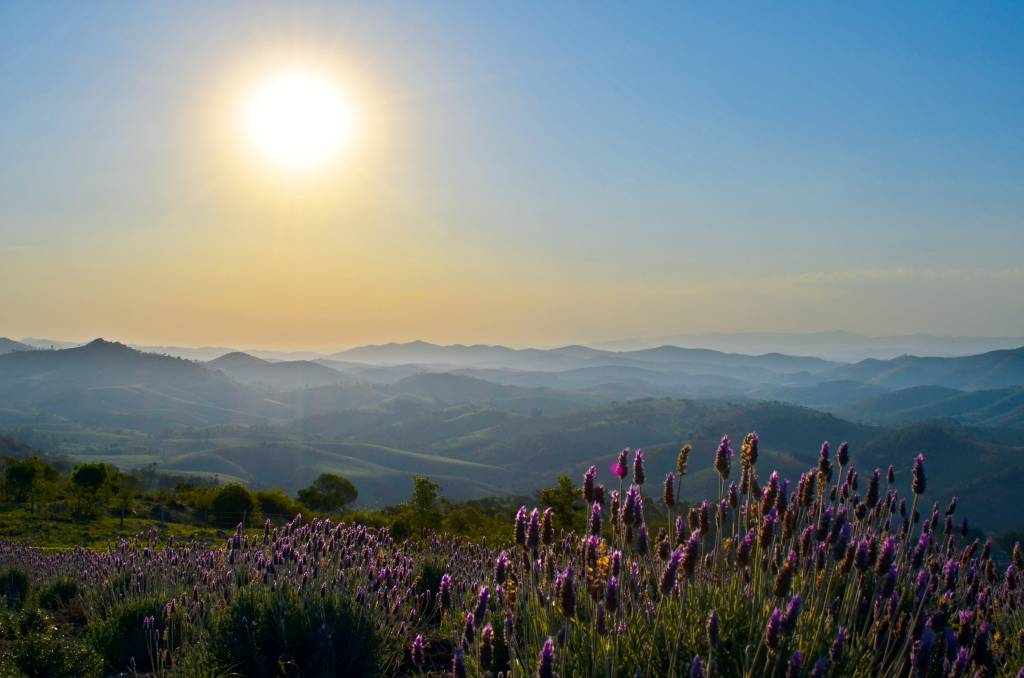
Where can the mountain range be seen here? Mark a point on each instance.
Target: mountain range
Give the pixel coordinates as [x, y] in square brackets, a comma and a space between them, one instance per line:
[491, 419]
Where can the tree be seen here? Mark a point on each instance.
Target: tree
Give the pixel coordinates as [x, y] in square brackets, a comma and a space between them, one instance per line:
[126, 488]
[424, 501]
[329, 492]
[566, 500]
[233, 503]
[26, 480]
[277, 504]
[91, 484]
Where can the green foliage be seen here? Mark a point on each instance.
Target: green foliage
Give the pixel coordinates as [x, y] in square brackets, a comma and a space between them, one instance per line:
[277, 505]
[14, 586]
[424, 502]
[233, 504]
[44, 656]
[329, 493]
[58, 593]
[27, 480]
[567, 502]
[118, 636]
[266, 635]
[91, 484]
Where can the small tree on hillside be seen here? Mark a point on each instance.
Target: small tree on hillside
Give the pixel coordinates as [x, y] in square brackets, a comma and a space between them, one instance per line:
[329, 492]
[28, 480]
[91, 484]
[232, 504]
[424, 501]
[567, 502]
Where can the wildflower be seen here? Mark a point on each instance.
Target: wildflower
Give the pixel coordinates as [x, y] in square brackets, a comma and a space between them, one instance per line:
[820, 669]
[843, 455]
[835, 653]
[690, 554]
[588, 484]
[481, 605]
[723, 457]
[684, 453]
[546, 667]
[611, 595]
[919, 482]
[469, 630]
[618, 468]
[768, 529]
[824, 465]
[533, 530]
[486, 653]
[748, 451]
[501, 568]
[792, 613]
[595, 519]
[568, 592]
[547, 526]
[772, 631]
[712, 628]
[795, 667]
[668, 494]
[520, 529]
[744, 549]
[922, 650]
[697, 667]
[599, 493]
[642, 540]
[638, 468]
[890, 476]
[668, 575]
[417, 652]
[444, 592]
[458, 664]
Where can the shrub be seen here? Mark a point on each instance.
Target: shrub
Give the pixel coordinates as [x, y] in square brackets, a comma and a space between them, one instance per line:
[41, 656]
[263, 634]
[14, 587]
[58, 594]
[275, 504]
[232, 504]
[119, 635]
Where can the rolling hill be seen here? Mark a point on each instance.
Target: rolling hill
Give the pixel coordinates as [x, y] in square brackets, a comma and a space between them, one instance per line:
[992, 370]
[292, 375]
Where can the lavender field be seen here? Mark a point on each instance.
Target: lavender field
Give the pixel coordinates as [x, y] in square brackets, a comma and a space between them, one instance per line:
[831, 574]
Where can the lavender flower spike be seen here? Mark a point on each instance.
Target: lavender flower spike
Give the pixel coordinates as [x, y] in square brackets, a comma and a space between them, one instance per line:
[723, 457]
[546, 667]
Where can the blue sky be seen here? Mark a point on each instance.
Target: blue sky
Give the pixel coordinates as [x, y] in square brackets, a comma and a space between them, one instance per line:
[537, 173]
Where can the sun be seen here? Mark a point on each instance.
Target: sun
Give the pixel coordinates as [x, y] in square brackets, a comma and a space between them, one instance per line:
[297, 120]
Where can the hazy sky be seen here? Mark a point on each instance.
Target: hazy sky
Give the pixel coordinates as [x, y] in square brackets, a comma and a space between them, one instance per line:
[521, 173]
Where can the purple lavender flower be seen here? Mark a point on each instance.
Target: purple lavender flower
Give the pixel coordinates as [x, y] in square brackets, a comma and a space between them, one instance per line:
[890, 476]
[486, 654]
[638, 467]
[547, 526]
[501, 564]
[922, 650]
[795, 668]
[835, 653]
[417, 652]
[533, 530]
[444, 592]
[824, 465]
[744, 549]
[713, 630]
[748, 451]
[469, 630]
[611, 595]
[618, 468]
[520, 530]
[919, 481]
[792, 614]
[691, 554]
[481, 604]
[546, 667]
[568, 592]
[595, 519]
[458, 663]
[668, 576]
[723, 457]
[820, 668]
[772, 631]
[588, 484]
[697, 667]
[668, 494]
[843, 455]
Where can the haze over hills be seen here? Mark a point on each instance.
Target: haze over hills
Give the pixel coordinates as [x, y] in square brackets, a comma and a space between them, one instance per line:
[492, 419]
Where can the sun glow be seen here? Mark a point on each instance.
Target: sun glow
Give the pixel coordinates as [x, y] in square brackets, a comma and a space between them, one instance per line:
[297, 120]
